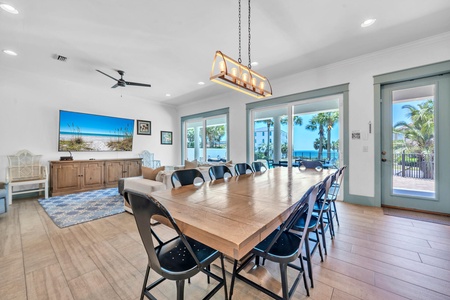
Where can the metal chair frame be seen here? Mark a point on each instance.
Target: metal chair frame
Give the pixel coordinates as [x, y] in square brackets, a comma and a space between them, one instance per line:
[241, 168]
[283, 247]
[186, 177]
[177, 259]
[218, 172]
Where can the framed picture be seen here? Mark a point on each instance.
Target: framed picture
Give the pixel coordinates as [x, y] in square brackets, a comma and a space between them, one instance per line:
[166, 137]
[144, 127]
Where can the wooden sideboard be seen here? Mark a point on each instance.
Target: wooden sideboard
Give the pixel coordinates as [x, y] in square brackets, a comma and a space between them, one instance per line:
[83, 175]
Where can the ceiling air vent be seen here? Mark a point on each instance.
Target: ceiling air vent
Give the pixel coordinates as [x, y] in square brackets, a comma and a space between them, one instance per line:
[60, 58]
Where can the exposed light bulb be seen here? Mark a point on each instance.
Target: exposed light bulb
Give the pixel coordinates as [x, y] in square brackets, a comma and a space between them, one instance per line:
[261, 85]
[245, 77]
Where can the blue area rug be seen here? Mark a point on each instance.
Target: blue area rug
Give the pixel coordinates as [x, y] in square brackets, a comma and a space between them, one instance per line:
[83, 207]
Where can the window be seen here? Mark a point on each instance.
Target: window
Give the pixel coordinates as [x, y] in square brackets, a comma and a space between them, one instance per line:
[303, 129]
[204, 136]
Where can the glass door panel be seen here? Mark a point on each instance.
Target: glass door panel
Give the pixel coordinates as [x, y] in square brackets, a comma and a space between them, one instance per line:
[216, 139]
[316, 134]
[415, 143]
[270, 141]
[194, 140]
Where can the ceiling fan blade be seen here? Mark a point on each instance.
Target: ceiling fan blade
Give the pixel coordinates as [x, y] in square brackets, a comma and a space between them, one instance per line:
[137, 84]
[114, 86]
[106, 75]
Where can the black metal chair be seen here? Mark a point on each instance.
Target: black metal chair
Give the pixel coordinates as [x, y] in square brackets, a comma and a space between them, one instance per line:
[258, 166]
[241, 168]
[334, 193]
[325, 220]
[218, 172]
[270, 163]
[301, 225]
[177, 259]
[186, 177]
[282, 247]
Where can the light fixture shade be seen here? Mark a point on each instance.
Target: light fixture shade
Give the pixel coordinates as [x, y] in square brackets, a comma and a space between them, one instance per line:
[230, 73]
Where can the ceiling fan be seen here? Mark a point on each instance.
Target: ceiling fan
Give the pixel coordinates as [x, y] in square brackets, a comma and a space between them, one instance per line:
[121, 82]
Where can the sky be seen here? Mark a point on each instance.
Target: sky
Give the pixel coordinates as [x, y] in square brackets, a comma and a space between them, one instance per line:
[304, 139]
[398, 114]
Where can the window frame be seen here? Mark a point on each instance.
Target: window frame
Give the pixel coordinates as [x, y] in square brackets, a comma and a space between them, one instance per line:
[204, 116]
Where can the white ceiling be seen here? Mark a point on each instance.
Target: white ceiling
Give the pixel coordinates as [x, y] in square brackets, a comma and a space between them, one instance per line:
[171, 44]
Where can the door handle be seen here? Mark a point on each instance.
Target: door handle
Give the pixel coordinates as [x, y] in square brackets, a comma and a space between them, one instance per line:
[383, 159]
[383, 152]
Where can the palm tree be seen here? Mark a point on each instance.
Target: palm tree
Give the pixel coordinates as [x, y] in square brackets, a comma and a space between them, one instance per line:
[322, 121]
[418, 135]
[269, 123]
[316, 144]
[318, 122]
[297, 120]
[333, 117]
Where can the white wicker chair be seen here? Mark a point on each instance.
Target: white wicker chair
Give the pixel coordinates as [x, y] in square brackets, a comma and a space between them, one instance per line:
[25, 169]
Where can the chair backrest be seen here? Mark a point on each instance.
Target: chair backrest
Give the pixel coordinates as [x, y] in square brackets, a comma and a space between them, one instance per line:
[311, 164]
[258, 166]
[323, 192]
[186, 177]
[241, 168]
[305, 203]
[218, 172]
[334, 190]
[270, 163]
[148, 160]
[144, 208]
[25, 166]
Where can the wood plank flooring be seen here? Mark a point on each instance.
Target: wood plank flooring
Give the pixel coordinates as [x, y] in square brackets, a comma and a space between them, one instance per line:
[374, 256]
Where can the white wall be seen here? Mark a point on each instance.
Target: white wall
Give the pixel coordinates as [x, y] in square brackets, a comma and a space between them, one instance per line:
[30, 115]
[359, 73]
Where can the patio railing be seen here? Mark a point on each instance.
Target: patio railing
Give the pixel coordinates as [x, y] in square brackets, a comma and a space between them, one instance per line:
[414, 165]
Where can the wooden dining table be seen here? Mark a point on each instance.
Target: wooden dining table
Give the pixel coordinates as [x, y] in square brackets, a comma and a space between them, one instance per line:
[233, 215]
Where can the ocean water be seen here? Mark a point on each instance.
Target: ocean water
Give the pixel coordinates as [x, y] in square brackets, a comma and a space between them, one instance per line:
[68, 135]
[312, 154]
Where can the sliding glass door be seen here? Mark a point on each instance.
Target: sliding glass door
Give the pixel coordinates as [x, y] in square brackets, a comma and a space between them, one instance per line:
[293, 132]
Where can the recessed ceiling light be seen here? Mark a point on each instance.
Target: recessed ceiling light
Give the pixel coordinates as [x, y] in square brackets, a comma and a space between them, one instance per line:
[168, 95]
[9, 8]
[201, 83]
[368, 22]
[10, 52]
[254, 63]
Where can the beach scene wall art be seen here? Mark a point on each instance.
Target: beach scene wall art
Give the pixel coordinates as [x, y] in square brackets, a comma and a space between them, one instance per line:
[90, 132]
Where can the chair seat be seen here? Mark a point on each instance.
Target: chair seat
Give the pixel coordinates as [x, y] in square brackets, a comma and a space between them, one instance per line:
[174, 257]
[300, 224]
[318, 206]
[286, 246]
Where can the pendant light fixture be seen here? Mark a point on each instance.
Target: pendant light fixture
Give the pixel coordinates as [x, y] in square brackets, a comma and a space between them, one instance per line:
[233, 74]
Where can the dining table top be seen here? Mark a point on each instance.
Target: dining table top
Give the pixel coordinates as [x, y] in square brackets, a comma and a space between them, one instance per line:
[233, 215]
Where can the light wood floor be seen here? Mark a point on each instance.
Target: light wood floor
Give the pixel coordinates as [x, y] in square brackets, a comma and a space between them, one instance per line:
[372, 257]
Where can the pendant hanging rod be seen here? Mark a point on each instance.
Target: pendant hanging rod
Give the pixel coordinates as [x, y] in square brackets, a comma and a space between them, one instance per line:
[233, 74]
